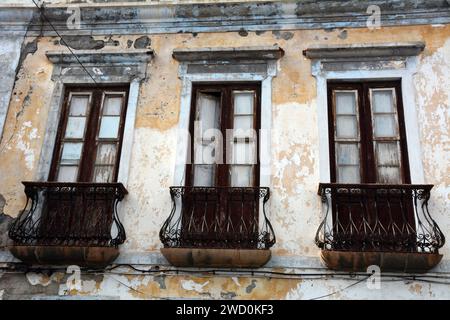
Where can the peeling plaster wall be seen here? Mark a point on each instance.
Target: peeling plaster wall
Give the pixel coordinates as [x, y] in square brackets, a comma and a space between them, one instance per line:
[131, 286]
[294, 205]
[433, 99]
[10, 51]
[9, 56]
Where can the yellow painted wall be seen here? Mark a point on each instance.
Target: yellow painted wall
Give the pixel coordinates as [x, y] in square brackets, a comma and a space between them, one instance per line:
[294, 208]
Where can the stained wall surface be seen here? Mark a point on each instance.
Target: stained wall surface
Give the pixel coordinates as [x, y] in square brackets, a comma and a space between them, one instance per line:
[295, 207]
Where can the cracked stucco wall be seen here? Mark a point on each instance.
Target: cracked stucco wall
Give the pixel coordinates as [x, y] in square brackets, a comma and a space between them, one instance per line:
[10, 51]
[294, 206]
[433, 100]
[295, 171]
[10, 48]
[116, 285]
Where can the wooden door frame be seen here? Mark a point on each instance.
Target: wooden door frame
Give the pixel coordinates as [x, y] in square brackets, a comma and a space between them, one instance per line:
[222, 176]
[87, 160]
[367, 154]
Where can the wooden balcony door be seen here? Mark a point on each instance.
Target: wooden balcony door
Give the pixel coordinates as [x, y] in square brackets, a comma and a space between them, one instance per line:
[368, 145]
[87, 150]
[224, 138]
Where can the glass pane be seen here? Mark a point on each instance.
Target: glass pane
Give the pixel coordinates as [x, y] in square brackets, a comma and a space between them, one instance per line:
[109, 127]
[345, 102]
[75, 127]
[205, 153]
[389, 175]
[346, 127]
[348, 153]
[241, 176]
[204, 175]
[113, 106]
[387, 154]
[243, 122]
[382, 101]
[244, 134]
[78, 105]
[243, 102]
[71, 152]
[106, 153]
[208, 111]
[349, 174]
[67, 174]
[244, 153]
[103, 174]
[385, 125]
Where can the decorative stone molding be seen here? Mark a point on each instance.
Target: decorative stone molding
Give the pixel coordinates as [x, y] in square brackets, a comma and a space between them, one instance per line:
[387, 56]
[365, 51]
[223, 54]
[164, 17]
[393, 61]
[104, 66]
[252, 64]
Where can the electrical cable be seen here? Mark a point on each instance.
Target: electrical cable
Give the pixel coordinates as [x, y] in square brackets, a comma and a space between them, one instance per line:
[62, 40]
[341, 290]
[258, 273]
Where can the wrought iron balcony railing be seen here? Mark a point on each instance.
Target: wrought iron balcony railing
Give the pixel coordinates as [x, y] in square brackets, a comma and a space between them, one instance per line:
[375, 217]
[70, 214]
[218, 217]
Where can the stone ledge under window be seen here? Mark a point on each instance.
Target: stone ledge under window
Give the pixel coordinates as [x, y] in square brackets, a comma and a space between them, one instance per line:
[219, 53]
[357, 51]
[408, 262]
[224, 258]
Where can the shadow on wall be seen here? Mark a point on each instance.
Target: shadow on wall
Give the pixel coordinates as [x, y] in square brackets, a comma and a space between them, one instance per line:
[5, 222]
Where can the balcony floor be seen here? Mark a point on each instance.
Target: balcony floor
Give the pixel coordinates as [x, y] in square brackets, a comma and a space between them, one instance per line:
[94, 257]
[208, 258]
[408, 262]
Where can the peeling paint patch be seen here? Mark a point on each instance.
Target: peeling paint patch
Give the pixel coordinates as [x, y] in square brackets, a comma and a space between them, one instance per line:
[38, 279]
[24, 143]
[85, 287]
[343, 35]
[5, 223]
[417, 288]
[295, 293]
[142, 42]
[161, 280]
[250, 287]
[191, 285]
[243, 32]
[2, 204]
[89, 285]
[29, 48]
[228, 295]
[80, 42]
[286, 35]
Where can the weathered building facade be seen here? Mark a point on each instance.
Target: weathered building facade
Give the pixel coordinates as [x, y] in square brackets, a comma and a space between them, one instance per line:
[340, 162]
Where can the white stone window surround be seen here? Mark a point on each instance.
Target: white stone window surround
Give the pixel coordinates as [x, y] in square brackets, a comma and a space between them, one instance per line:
[221, 65]
[106, 67]
[392, 61]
